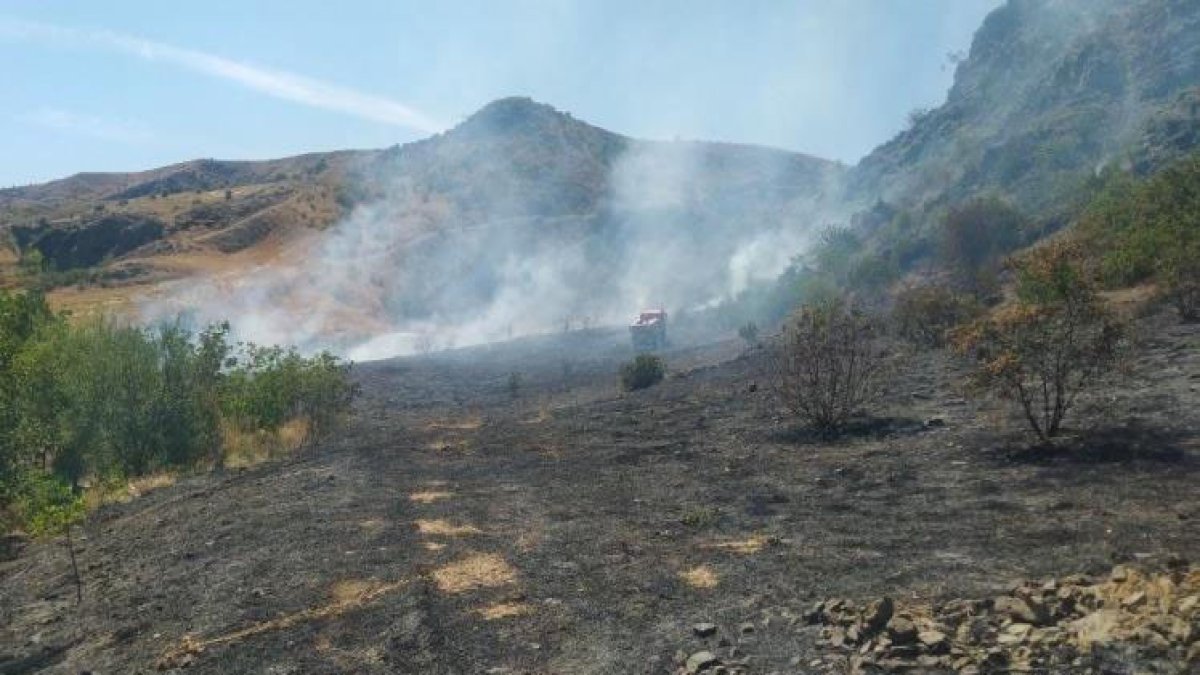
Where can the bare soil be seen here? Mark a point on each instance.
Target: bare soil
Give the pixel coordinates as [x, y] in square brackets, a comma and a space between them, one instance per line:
[454, 528]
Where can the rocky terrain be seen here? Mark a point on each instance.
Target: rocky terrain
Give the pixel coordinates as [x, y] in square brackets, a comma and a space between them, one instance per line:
[455, 528]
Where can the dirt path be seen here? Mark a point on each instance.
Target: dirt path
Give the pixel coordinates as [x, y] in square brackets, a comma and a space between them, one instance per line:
[451, 529]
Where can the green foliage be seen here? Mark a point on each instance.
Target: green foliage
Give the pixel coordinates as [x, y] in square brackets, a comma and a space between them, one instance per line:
[267, 386]
[44, 504]
[103, 401]
[975, 236]
[1149, 231]
[646, 370]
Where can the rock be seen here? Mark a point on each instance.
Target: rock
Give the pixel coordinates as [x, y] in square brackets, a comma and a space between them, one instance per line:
[746, 628]
[901, 631]
[1189, 604]
[700, 661]
[1021, 610]
[1135, 600]
[878, 614]
[704, 629]
[1120, 573]
[933, 640]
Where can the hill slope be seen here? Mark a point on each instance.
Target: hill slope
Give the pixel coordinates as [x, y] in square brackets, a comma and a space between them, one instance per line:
[1050, 91]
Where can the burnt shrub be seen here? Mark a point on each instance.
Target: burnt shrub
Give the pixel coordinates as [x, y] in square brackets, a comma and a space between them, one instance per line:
[829, 365]
[646, 370]
[1050, 345]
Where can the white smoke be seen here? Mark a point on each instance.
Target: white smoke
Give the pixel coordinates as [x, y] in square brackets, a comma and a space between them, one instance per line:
[394, 278]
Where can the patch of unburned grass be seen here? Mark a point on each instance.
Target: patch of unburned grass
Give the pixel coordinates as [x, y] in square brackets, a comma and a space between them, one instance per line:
[701, 576]
[345, 596]
[503, 610]
[429, 496]
[748, 546]
[445, 528]
[465, 423]
[478, 570]
[248, 448]
[126, 491]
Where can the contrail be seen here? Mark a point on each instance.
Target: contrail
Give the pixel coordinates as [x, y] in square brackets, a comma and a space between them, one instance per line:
[278, 83]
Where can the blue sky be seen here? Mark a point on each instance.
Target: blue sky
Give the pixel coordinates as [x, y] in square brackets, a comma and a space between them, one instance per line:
[118, 86]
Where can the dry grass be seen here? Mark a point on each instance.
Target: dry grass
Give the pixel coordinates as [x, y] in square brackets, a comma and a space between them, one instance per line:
[478, 570]
[701, 576]
[467, 423]
[345, 596]
[120, 493]
[445, 528]
[503, 610]
[429, 496]
[248, 448]
[748, 546]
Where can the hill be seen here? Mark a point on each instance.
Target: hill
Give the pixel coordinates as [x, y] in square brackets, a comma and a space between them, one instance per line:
[459, 222]
[1049, 93]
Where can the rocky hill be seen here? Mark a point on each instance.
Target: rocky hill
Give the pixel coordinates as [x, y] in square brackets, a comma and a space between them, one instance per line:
[1050, 90]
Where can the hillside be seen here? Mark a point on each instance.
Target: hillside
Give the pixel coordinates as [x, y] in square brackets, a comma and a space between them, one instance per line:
[1050, 92]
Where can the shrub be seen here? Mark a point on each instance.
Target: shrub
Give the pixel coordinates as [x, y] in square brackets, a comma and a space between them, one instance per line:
[924, 315]
[646, 370]
[829, 365]
[1148, 230]
[1047, 347]
[749, 333]
[105, 402]
[976, 234]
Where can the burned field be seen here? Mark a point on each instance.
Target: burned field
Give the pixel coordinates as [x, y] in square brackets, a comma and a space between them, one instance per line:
[509, 510]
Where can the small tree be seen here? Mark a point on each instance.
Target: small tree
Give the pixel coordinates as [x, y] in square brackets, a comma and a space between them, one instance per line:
[1050, 345]
[975, 235]
[749, 333]
[646, 370]
[829, 365]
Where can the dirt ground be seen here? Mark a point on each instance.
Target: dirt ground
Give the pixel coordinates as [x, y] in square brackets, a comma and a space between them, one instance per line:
[573, 528]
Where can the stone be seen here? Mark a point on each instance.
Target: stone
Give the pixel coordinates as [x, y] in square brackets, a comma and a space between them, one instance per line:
[933, 640]
[746, 628]
[700, 661]
[1134, 600]
[1120, 573]
[704, 629]
[1188, 604]
[1021, 610]
[901, 631]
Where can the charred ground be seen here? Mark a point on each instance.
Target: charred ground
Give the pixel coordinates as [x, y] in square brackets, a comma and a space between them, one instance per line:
[456, 528]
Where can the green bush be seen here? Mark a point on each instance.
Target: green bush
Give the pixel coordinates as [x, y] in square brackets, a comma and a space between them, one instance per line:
[976, 235]
[103, 401]
[1149, 231]
[644, 371]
